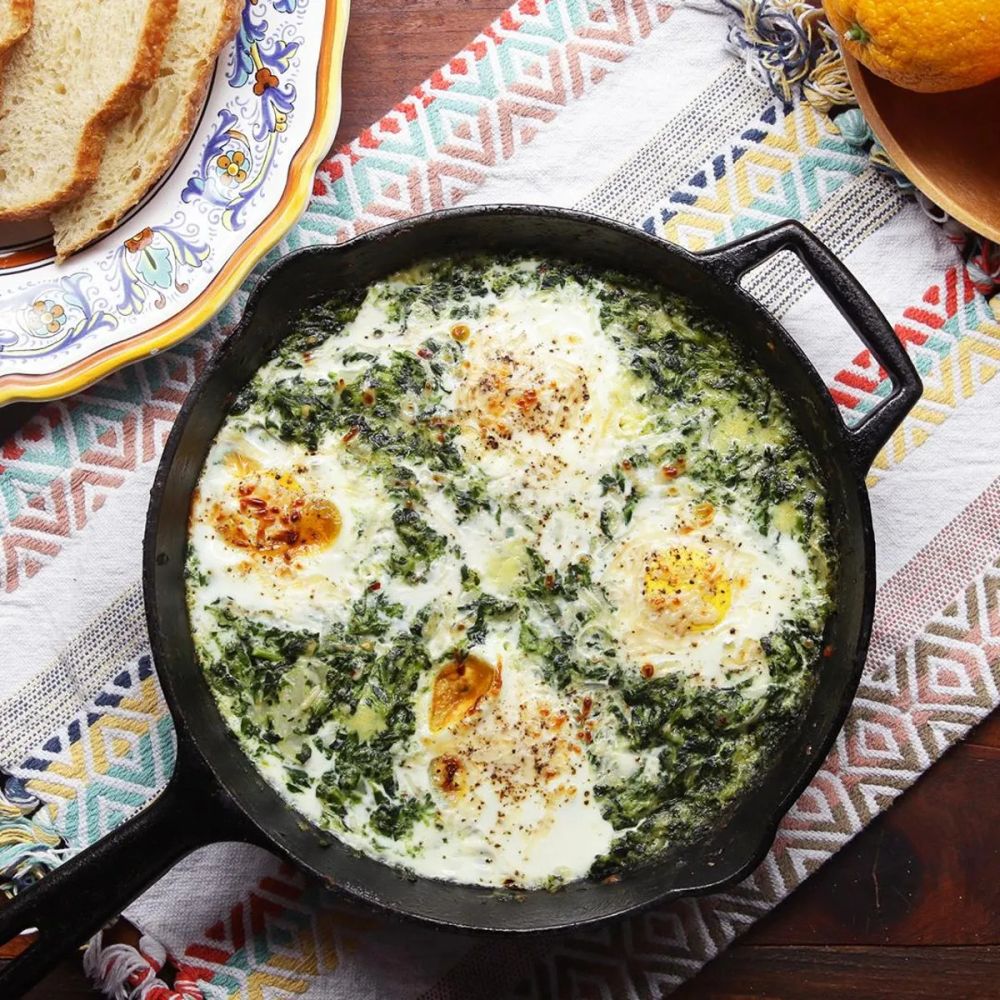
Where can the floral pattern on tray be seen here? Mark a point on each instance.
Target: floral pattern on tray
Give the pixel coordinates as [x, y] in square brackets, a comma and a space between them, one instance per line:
[273, 97]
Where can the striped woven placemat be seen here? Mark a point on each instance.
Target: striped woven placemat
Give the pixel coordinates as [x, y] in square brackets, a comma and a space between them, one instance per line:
[676, 118]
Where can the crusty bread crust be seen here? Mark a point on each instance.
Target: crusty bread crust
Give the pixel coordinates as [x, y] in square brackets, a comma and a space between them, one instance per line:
[155, 32]
[20, 12]
[160, 160]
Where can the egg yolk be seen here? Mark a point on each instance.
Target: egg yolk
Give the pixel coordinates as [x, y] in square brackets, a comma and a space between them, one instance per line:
[274, 515]
[458, 687]
[686, 589]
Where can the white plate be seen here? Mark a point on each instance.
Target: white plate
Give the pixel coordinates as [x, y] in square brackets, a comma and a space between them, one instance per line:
[241, 182]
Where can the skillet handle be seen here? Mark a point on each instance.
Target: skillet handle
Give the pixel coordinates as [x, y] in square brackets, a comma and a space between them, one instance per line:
[78, 898]
[732, 261]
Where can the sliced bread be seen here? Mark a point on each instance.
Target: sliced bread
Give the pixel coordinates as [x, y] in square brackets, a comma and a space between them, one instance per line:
[142, 145]
[15, 20]
[83, 65]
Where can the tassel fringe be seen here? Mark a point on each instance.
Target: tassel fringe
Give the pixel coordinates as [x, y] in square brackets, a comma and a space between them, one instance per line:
[789, 48]
[127, 973]
[29, 844]
[788, 44]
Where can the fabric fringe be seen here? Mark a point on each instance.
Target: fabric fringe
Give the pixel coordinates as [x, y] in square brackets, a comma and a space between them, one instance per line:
[127, 973]
[787, 44]
[788, 47]
[854, 129]
[29, 845]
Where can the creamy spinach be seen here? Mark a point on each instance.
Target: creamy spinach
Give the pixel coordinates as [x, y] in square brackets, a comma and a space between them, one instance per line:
[508, 571]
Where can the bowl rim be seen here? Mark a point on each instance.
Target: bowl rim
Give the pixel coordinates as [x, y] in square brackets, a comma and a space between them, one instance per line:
[924, 182]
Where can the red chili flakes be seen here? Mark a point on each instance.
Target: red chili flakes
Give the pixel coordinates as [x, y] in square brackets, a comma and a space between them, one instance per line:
[528, 400]
[350, 435]
[647, 670]
[448, 773]
[376, 585]
[827, 652]
[252, 503]
[674, 469]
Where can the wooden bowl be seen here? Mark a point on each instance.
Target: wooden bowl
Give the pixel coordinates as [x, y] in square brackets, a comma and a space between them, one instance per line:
[947, 144]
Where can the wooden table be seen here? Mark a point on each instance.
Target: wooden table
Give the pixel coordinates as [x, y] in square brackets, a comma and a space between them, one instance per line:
[911, 908]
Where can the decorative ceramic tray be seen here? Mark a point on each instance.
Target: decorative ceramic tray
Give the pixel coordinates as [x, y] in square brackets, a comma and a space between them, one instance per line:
[241, 182]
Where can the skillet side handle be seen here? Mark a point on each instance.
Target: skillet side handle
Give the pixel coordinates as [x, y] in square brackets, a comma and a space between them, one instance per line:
[867, 438]
[78, 898]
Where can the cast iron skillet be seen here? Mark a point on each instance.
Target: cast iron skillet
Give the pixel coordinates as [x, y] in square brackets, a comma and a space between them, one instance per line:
[217, 794]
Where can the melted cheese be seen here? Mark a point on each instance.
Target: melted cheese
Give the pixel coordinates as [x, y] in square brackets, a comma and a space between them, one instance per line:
[546, 410]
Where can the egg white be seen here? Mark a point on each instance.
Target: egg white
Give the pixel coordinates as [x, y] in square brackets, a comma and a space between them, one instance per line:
[528, 811]
[549, 344]
[764, 574]
[318, 583]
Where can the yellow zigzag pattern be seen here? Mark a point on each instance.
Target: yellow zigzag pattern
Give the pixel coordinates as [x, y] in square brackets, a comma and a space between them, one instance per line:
[311, 956]
[967, 368]
[88, 755]
[756, 173]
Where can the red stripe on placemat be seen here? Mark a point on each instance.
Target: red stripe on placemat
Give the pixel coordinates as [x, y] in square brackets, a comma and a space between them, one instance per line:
[954, 289]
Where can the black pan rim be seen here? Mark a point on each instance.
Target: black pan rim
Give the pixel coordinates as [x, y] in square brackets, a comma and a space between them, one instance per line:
[766, 831]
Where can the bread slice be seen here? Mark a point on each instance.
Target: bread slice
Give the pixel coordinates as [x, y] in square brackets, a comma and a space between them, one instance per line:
[142, 145]
[15, 20]
[83, 64]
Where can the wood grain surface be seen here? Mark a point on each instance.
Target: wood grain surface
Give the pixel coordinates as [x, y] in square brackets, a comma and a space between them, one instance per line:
[910, 910]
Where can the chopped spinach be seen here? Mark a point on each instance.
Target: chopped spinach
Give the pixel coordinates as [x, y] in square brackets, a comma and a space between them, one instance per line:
[421, 544]
[337, 704]
[485, 607]
[253, 655]
[545, 583]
